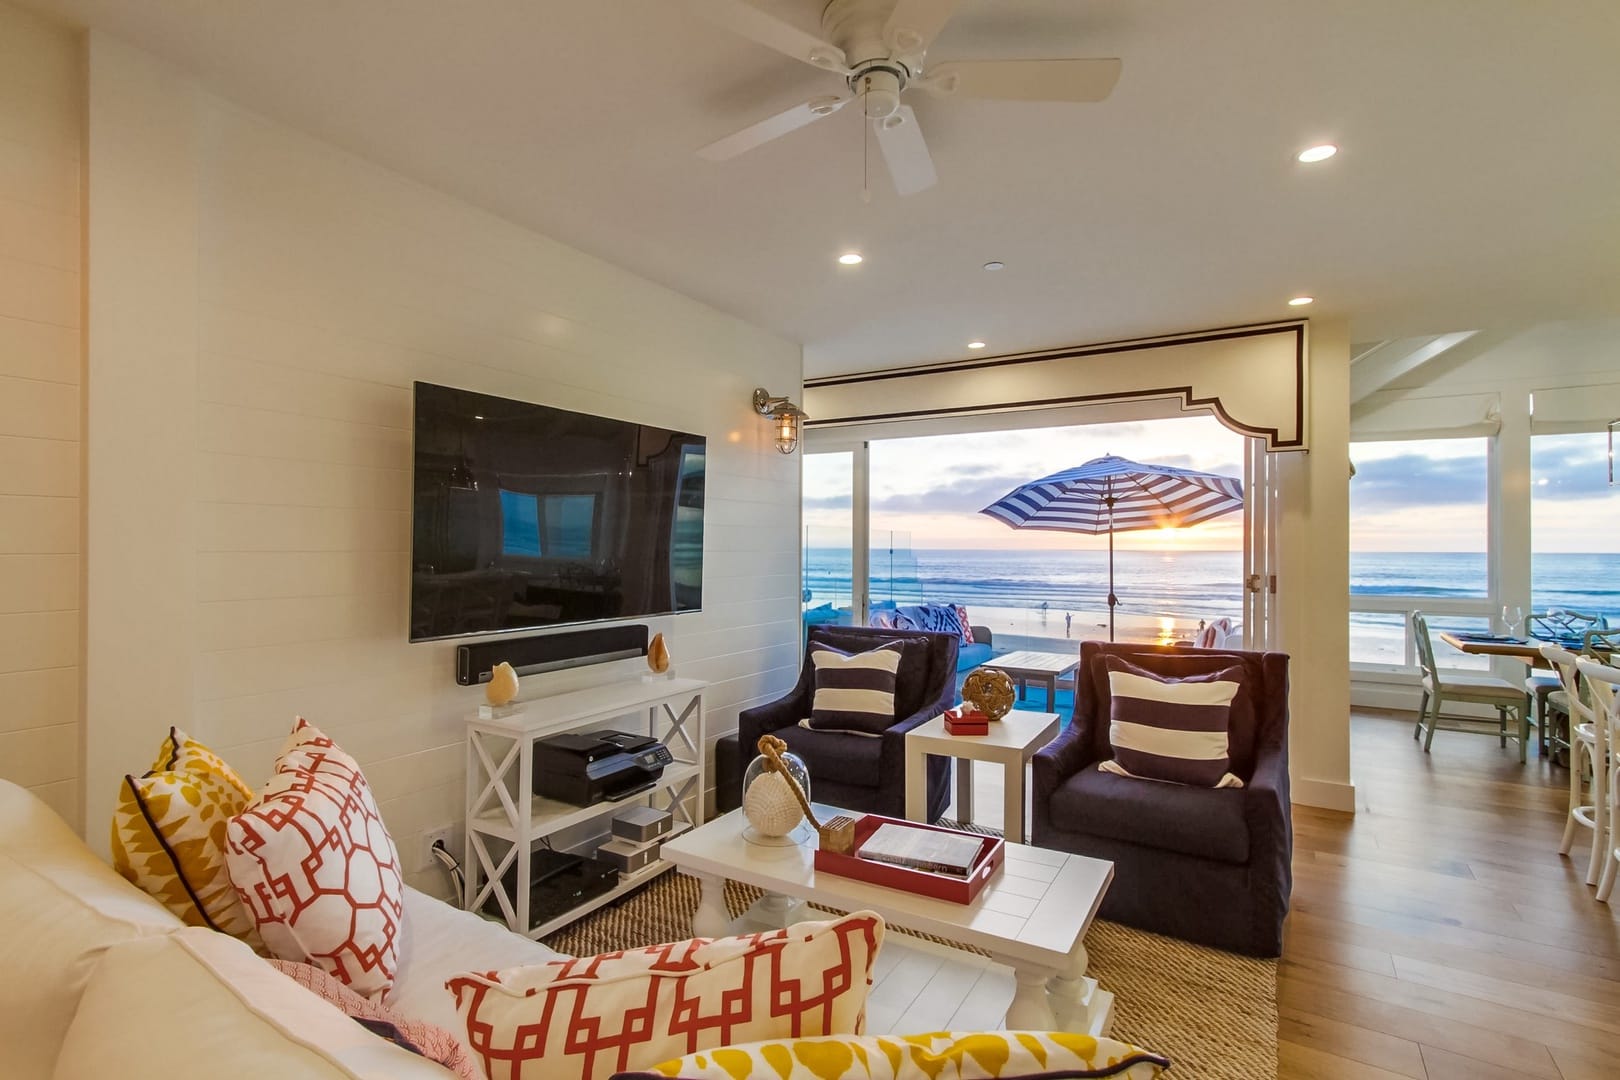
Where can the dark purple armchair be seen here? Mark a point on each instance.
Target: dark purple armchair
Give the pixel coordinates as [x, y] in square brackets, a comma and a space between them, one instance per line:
[1208, 865]
[858, 772]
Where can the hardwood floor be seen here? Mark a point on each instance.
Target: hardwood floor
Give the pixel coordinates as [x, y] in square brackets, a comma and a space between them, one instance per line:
[1437, 933]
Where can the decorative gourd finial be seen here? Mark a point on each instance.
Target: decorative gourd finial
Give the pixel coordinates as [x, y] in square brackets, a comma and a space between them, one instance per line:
[658, 655]
[502, 686]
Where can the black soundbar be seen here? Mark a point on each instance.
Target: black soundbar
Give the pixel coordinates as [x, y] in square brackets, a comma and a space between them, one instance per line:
[550, 652]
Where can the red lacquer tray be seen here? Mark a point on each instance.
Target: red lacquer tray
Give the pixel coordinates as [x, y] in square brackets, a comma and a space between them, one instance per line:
[992, 852]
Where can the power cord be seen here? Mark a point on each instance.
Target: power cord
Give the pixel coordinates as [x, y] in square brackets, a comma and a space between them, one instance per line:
[448, 861]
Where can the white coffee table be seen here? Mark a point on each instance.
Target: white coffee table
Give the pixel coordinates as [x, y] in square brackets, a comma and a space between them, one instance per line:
[1032, 916]
[1012, 741]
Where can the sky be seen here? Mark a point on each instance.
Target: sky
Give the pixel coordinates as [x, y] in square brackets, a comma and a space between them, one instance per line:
[1406, 496]
[933, 487]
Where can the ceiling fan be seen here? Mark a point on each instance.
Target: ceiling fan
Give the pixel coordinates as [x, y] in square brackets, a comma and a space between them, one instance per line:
[878, 48]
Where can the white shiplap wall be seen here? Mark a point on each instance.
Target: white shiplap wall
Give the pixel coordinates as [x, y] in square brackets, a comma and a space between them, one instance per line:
[325, 285]
[41, 101]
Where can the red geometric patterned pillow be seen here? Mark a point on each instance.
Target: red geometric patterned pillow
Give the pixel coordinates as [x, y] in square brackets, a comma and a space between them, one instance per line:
[589, 1018]
[317, 870]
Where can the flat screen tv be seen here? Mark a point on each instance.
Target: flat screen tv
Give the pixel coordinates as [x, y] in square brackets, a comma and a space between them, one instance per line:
[525, 517]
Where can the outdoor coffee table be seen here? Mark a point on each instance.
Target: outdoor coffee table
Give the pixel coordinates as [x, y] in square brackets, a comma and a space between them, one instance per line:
[1011, 742]
[1041, 668]
[1032, 916]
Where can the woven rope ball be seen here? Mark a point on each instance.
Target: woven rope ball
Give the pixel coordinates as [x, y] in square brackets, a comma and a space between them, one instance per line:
[989, 691]
[769, 805]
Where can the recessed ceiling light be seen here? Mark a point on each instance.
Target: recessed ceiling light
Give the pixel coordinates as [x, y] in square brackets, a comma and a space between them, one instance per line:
[477, 417]
[1312, 154]
[850, 258]
[1300, 301]
[994, 265]
[975, 344]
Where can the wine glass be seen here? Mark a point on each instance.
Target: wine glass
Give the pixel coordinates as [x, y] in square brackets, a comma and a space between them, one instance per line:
[1512, 618]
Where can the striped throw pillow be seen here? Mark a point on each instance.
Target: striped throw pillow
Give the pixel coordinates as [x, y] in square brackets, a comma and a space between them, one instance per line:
[854, 692]
[1171, 729]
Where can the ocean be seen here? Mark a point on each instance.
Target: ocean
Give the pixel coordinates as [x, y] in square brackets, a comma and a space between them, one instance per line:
[1055, 594]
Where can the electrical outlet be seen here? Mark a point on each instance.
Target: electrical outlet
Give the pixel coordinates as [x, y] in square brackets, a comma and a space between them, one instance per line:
[446, 833]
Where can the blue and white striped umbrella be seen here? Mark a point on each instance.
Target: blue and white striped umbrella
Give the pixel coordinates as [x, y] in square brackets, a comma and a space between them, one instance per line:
[1110, 494]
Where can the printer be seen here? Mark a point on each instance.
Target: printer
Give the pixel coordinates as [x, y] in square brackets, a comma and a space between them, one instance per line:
[585, 768]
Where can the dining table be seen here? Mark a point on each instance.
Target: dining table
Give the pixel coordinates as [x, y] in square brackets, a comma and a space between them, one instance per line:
[1527, 649]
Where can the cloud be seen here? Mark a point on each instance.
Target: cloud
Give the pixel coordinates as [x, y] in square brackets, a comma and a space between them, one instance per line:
[1417, 480]
[966, 496]
[1576, 476]
[1408, 480]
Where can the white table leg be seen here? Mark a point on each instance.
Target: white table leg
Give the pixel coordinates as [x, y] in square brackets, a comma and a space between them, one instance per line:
[1073, 993]
[1051, 693]
[1078, 1003]
[1012, 821]
[916, 783]
[712, 918]
[1030, 1009]
[964, 789]
[772, 911]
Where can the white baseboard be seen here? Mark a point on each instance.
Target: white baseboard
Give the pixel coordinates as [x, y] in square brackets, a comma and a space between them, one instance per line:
[1324, 794]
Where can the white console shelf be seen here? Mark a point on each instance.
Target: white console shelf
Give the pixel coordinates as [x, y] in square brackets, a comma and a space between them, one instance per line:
[505, 819]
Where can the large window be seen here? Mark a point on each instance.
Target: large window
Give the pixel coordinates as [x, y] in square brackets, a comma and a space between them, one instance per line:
[1575, 518]
[1418, 540]
[1045, 589]
[828, 525]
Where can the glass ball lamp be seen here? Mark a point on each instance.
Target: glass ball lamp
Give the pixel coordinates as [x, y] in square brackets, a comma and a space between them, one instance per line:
[773, 812]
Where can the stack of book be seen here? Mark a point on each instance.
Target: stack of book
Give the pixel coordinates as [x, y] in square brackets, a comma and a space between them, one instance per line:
[966, 720]
[933, 850]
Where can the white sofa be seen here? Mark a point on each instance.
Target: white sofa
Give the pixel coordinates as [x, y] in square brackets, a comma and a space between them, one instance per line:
[98, 980]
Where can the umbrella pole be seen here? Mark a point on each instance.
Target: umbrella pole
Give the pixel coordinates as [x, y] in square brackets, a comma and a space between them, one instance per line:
[1112, 599]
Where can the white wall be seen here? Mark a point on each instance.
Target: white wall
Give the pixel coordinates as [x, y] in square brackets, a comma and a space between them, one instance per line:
[250, 449]
[1314, 581]
[41, 102]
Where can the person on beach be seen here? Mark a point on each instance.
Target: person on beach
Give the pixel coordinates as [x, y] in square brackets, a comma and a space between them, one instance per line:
[1068, 622]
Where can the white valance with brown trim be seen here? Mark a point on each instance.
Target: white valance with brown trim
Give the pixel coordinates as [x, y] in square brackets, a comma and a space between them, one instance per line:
[1251, 378]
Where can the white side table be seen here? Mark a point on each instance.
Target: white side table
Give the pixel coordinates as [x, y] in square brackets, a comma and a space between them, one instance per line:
[1011, 742]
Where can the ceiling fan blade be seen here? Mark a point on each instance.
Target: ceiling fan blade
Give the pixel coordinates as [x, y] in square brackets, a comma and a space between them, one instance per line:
[773, 127]
[900, 138]
[1025, 80]
[913, 24]
[741, 17]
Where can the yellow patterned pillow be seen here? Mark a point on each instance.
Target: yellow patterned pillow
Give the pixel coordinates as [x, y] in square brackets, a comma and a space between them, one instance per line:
[168, 835]
[1026, 1055]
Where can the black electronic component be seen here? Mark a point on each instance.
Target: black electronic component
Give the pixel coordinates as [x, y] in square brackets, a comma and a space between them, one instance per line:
[584, 768]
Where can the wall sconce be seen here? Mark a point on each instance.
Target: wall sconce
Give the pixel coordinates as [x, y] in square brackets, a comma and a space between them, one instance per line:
[785, 418]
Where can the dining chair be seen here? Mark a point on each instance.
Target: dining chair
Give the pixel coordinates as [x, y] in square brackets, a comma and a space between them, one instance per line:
[1601, 681]
[1588, 747]
[1597, 640]
[1503, 696]
[1600, 643]
[1560, 623]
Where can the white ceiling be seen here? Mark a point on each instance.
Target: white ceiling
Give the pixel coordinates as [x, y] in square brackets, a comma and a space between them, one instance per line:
[1479, 182]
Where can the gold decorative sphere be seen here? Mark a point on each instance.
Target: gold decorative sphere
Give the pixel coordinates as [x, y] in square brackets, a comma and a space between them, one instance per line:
[990, 691]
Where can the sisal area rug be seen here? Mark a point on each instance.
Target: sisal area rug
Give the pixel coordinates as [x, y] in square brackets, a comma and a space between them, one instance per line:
[1213, 1013]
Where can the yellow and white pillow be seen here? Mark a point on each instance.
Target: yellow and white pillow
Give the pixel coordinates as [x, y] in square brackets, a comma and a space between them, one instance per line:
[168, 835]
[957, 1055]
